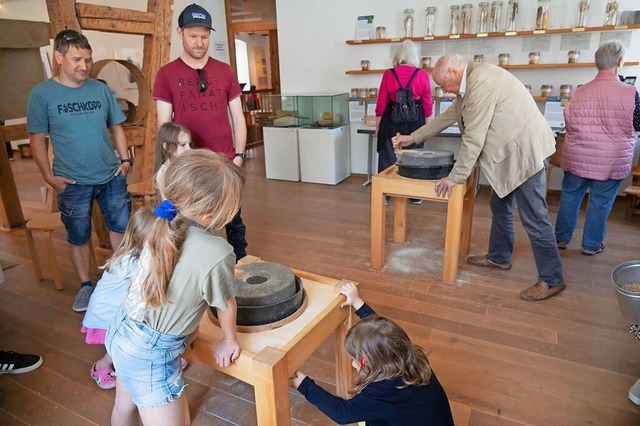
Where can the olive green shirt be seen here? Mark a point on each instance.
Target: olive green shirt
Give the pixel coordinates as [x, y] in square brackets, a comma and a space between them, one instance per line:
[202, 277]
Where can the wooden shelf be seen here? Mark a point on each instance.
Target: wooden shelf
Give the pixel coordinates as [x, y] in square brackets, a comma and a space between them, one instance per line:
[559, 65]
[497, 34]
[511, 67]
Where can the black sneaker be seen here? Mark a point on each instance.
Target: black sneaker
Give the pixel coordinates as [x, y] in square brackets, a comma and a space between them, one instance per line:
[15, 363]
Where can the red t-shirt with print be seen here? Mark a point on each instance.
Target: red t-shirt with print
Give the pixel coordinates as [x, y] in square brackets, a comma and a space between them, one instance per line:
[204, 113]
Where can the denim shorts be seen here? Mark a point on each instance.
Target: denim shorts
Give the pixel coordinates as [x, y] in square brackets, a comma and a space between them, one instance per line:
[75, 204]
[146, 362]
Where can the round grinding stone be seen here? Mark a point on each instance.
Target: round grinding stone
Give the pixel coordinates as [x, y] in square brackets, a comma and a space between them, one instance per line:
[264, 284]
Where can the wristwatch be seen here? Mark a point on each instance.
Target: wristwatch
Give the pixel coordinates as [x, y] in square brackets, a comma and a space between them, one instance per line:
[242, 155]
[127, 160]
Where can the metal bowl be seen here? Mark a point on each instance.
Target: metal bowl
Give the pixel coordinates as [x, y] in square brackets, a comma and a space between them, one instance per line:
[627, 273]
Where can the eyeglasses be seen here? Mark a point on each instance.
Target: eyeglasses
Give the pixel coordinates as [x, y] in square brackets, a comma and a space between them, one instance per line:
[202, 80]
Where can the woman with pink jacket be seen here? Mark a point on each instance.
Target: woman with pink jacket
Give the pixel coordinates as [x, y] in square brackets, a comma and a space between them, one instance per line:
[602, 118]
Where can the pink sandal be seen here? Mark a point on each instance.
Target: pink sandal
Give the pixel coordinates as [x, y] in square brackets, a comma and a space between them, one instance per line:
[105, 378]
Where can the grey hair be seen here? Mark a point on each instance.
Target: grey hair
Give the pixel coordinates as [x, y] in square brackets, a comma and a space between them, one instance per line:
[407, 53]
[608, 55]
[447, 61]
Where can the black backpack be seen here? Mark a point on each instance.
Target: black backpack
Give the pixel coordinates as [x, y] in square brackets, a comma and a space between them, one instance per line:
[405, 109]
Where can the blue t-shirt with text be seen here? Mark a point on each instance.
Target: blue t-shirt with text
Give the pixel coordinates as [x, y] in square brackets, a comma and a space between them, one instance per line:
[78, 121]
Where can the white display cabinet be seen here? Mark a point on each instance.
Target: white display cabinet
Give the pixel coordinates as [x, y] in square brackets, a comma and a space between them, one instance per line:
[281, 154]
[325, 154]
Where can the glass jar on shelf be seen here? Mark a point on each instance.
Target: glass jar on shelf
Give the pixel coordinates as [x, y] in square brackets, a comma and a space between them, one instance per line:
[513, 8]
[565, 91]
[611, 13]
[495, 16]
[373, 92]
[363, 92]
[542, 14]
[454, 22]
[364, 64]
[583, 9]
[381, 32]
[545, 90]
[483, 17]
[533, 57]
[430, 22]
[408, 22]
[465, 18]
[354, 92]
[503, 59]
[573, 56]
[478, 59]
[426, 62]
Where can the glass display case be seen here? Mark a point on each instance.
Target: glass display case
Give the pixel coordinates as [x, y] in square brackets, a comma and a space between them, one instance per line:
[282, 111]
[323, 110]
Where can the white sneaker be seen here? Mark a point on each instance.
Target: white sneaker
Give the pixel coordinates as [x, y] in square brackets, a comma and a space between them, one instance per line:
[81, 301]
[634, 393]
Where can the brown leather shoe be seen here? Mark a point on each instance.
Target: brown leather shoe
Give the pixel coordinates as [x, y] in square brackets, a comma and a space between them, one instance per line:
[483, 260]
[541, 291]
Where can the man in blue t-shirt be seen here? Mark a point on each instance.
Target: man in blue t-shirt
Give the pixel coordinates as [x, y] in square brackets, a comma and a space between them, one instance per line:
[77, 113]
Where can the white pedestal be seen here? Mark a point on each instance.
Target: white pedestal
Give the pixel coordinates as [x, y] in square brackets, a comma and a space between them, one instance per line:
[325, 155]
[281, 156]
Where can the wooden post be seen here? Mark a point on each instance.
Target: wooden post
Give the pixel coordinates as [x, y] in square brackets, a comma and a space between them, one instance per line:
[344, 369]
[271, 385]
[452, 235]
[11, 215]
[378, 221]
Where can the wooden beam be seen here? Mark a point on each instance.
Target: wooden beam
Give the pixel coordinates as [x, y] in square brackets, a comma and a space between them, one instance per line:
[115, 26]
[108, 12]
[11, 215]
[274, 60]
[231, 37]
[247, 27]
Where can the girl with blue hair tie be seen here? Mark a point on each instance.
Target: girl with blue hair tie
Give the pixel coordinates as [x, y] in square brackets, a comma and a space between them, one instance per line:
[183, 268]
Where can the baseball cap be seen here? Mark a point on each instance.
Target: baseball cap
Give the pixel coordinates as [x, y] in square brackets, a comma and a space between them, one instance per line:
[194, 16]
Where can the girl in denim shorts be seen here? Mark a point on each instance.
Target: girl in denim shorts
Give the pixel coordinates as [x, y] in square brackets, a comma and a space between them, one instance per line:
[183, 268]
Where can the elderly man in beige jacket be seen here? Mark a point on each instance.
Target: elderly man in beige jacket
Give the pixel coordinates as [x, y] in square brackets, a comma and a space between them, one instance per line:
[504, 132]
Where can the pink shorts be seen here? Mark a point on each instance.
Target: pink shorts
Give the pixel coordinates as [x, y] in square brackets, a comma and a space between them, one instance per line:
[95, 336]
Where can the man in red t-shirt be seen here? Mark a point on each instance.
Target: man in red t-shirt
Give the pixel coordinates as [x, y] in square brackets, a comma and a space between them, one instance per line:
[199, 92]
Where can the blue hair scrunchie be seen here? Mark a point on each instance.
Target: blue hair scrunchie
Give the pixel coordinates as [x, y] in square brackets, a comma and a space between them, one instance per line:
[166, 210]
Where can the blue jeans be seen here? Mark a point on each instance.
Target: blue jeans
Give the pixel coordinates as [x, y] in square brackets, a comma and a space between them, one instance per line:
[147, 362]
[534, 215]
[603, 194]
[76, 201]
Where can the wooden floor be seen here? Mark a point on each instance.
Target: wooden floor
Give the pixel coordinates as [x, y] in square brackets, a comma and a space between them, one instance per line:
[502, 361]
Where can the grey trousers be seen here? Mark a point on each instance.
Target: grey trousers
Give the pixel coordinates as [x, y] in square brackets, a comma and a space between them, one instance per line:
[534, 215]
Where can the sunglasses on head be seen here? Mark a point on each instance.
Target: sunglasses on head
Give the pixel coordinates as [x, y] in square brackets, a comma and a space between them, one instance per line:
[72, 36]
[202, 80]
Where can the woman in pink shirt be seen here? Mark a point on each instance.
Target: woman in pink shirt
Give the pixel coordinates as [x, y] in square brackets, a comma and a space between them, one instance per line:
[405, 71]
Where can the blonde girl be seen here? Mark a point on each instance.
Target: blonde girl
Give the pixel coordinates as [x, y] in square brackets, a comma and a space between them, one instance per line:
[109, 294]
[172, 140]
[394, 384]
[173, 286]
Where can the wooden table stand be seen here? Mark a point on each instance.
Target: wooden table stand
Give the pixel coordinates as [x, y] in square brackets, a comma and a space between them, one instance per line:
[459, 215]
[268, 358]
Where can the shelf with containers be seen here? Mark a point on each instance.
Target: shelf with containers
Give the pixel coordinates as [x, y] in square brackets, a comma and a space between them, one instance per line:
[551, 31]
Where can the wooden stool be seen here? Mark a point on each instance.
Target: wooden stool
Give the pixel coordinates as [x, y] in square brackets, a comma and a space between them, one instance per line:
[142, 194]
[47, 223]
